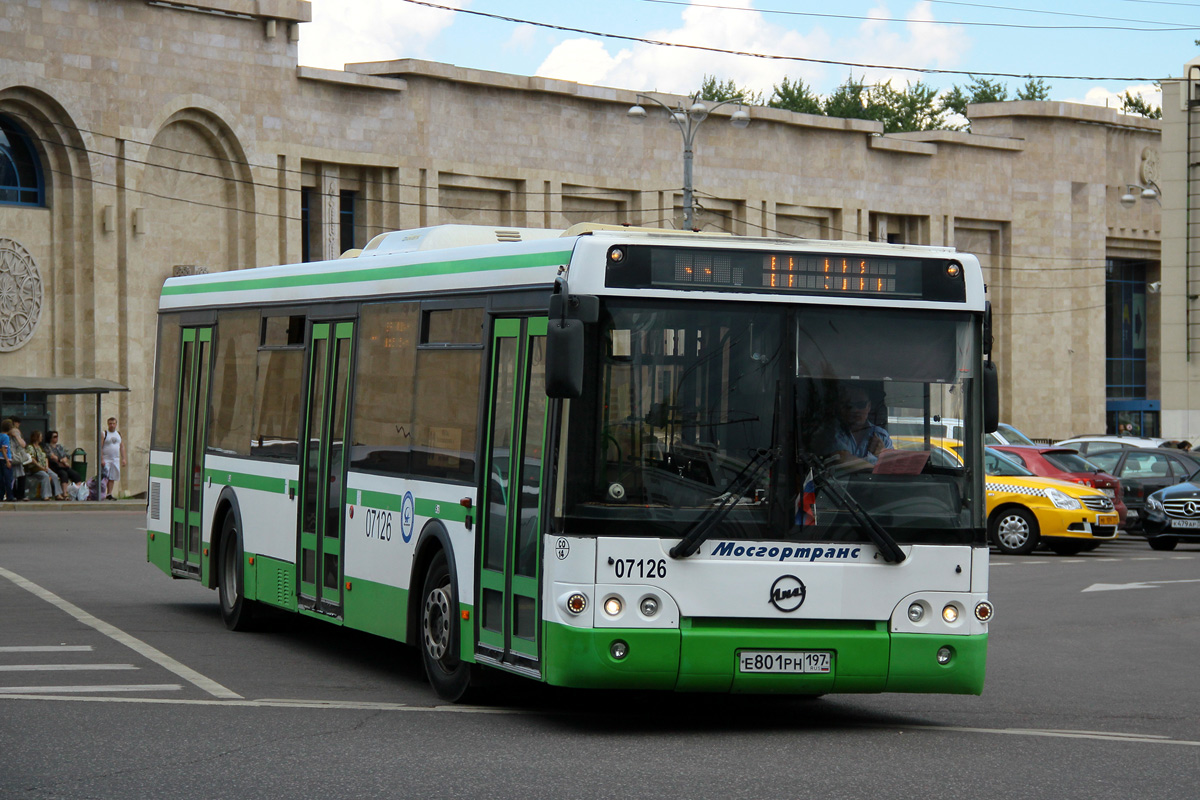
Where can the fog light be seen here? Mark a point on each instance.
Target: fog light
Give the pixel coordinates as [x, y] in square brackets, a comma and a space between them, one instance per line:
[612, 606]
[576, 603]
[619, 650]
[950, 613]
[916, 612]
[944, 655]
[983, 611]
[649, 606]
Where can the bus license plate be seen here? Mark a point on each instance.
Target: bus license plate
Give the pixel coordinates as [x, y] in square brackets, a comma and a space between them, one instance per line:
[798, 662]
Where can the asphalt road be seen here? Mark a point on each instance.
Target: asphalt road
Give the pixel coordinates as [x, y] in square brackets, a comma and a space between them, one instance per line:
[117, 682]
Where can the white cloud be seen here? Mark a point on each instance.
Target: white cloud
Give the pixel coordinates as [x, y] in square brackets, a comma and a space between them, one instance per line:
[1102, 96]
[681, 70]
[349, 31]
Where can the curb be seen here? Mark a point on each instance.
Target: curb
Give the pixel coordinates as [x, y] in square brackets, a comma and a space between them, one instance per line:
[74, 505]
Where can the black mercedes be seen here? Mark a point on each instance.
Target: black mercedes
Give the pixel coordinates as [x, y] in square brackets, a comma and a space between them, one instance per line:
[1172, 515]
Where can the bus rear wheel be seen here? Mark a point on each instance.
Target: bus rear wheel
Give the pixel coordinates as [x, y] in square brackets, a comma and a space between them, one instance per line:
[237, 612]
[448, 674]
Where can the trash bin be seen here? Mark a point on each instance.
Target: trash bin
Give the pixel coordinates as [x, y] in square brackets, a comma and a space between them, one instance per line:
[79, 461]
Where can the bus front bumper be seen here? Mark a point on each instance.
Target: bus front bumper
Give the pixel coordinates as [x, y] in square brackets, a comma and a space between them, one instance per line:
[703, 656]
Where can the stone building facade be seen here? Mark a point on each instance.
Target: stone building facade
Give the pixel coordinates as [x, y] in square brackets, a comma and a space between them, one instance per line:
[167, 138]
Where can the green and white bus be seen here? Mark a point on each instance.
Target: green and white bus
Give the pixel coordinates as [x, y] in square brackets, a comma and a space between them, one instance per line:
[601, 457]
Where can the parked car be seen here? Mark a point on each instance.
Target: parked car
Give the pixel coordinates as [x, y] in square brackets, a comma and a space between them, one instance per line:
[1067, 465]
[1143, 471]
[942, 427]
[1024, 510]
[1007, 434]
[1173, 515]
[1087, 445]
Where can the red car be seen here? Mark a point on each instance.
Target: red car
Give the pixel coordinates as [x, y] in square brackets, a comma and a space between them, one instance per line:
[1066, 465]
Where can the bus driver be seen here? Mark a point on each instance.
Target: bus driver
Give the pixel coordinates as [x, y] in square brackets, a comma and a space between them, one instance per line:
[852, 436]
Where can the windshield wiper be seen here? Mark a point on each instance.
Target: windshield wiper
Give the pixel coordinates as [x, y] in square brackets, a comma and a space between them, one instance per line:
[738, 487]
[878, 535]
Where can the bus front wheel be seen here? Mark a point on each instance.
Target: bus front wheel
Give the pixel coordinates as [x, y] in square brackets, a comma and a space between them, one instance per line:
[237, 612]
[440, 641]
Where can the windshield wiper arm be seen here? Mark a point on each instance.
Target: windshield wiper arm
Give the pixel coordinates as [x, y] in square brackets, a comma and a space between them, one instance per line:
[735, 491]
[878, 535]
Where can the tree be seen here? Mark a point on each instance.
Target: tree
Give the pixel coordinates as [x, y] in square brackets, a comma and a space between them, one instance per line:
[714, 90]
[1136, 104]
[1034, 89]
[795, 97]
[979, 90]
[914, 109]
[852, 100]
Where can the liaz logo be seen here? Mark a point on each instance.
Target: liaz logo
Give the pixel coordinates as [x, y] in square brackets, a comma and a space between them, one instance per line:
[787, 593]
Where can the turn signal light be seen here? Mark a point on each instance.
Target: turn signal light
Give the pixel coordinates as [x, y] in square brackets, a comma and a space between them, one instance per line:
[577, 603]
[983, 611]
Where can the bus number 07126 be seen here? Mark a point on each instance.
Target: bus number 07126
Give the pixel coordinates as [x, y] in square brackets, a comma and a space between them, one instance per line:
[379, 525]
[640, 568]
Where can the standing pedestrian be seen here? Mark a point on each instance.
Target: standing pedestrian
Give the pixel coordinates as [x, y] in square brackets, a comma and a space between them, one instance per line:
[112, 457]
[6, 476]
[20, 458]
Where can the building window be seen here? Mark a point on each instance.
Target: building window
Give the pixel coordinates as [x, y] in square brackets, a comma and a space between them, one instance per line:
[21, 179]
[346, 219]
[1129, 410]
[306, 223]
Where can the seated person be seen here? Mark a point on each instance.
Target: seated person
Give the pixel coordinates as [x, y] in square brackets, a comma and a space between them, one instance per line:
[851, 438]
[38, 470]
[60, 464]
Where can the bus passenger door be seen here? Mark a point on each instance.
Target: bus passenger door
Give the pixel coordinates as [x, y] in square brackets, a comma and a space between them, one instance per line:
[510, 519]
[187, 482]
[323, 468]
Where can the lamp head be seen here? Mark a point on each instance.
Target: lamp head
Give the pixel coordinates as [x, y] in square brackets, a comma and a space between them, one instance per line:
[740, 118]
[697, 111]
[636, 113]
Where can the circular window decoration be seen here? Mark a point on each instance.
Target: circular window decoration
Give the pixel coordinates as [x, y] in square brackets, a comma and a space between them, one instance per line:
[20, 296]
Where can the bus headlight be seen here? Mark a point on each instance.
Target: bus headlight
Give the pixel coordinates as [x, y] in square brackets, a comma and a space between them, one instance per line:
[950, 613]
[649, 606]
[916, 612]
[613, 606]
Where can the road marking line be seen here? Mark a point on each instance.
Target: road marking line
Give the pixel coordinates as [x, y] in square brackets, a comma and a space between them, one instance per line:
[30, 692]
[133, 643]
[61, 667]
[49, 648]
[341, 705]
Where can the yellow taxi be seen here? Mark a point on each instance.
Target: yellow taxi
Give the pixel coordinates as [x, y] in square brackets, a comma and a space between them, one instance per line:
[1024, 510]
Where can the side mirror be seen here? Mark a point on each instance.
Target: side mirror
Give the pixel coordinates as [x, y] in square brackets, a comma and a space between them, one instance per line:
[564, 358]
[991, 397]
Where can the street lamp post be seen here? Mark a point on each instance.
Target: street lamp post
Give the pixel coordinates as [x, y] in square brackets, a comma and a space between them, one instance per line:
[688, 121]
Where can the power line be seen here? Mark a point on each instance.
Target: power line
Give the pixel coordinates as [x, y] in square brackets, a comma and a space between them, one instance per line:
[1176, 26]
[776, 57]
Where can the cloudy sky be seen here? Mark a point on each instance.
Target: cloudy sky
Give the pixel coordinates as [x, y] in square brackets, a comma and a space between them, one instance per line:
[1089, 51]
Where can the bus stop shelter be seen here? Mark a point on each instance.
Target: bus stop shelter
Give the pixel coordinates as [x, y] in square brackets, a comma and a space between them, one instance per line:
[96, 386]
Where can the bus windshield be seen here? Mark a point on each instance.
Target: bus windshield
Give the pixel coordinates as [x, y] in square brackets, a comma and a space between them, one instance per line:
[760, 408]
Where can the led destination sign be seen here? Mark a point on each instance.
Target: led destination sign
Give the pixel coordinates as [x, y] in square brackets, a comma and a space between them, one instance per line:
[648, 266]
